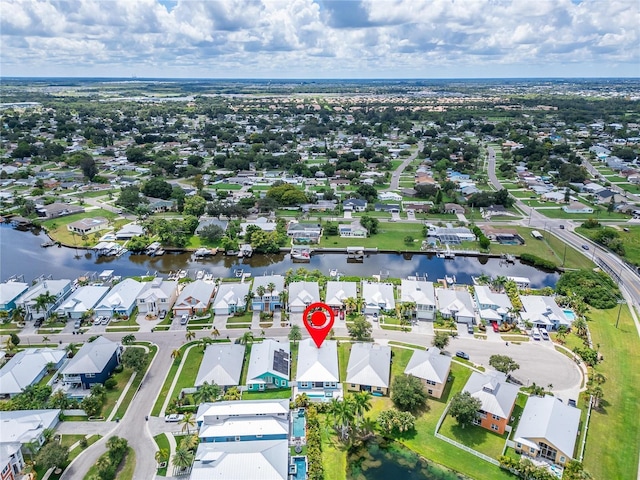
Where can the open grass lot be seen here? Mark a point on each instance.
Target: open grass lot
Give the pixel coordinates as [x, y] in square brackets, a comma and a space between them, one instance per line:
[167, 382]
[389, 237]
[401, 357]
[112, 395]
[613, 440]
[274, 394]
[225, 186]
[630, 240]
[125, 471]
[334, 453]
[478, 438]
[344, 351]
[602, 215]
[189, 371]
[57, 227]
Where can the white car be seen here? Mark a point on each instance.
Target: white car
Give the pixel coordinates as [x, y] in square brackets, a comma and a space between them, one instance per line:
[174, 417]
[544, 334]
[535, 334]
[97, 320]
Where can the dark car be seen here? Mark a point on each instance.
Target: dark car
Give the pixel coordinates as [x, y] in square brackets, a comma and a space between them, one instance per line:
[38, 322]
[462, 355]
[561, 227]
[470, 329]
[585, 247]
[572, 403]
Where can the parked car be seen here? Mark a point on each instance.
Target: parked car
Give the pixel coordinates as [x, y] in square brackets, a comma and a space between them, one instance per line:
[561, 227]
[572, 403]
[97, 321]
[535, 334]
[38, 322]
[174, 417]
[184, 319]
[105, 320]
[461, 354]
[495, 327]
[77, 324]
[585, 247]
[163, 314]
[470, 329]
[544, 334]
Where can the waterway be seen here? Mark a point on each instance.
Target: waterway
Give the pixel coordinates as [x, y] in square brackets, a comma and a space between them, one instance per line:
[21, 254]
[391, 461]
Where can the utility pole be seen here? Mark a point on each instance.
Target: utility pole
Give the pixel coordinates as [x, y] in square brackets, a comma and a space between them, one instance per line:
[620, 302]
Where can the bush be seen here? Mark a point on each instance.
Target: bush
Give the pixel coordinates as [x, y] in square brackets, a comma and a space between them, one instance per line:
[538, 262]
[118, 369]
[110, 383]
[595, 288]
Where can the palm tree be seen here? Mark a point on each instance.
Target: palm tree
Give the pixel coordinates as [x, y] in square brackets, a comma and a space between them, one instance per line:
[176, 354]
[103, 463]
[128, 339]
[43, 300]
[361, 403]
[187, 422]
[207, 392]
[45, 339]
[596, 392]
[580, 325]
[260, 291]
[204, 342]
[499, 282]
[284, 296]
[246, 338]
[190, 335]
[59, 400]
[190, 442]
[562, 333]
[215, 332]
[183, 458]
[270, 288]
[342, 412]
[162, 455]
[350, 304]
[483, 279]
[18, 314]
[295, 334]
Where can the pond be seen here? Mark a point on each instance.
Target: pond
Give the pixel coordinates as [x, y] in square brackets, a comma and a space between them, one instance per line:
[383, 461]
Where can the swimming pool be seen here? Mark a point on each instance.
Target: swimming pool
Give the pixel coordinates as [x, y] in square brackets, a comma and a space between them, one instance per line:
[301, 467]
[299, 424]
[570, 315]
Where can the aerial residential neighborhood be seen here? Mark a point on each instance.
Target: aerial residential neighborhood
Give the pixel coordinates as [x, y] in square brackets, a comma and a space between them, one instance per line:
[476, 248]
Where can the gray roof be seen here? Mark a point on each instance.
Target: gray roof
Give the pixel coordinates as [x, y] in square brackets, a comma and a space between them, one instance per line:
[549, 419]
[11, 290]
[429, 365]
[269, 356]
[418, 291]
[92, 357]
[221, 364]
[369, 364]
[122, 296]
[265, 280]
[83, 299]
[231, 294]
[491, 388]
[26, 425]
[455, 302]
[378, 294]
[337, 292]
[318, 364]
[303, 293]
[54, 287]
[199, 292]
[25, 366]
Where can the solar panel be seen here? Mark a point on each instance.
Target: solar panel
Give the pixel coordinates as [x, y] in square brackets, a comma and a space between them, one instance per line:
[281, 362]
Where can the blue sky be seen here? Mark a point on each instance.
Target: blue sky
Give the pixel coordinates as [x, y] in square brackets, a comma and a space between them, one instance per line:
[320, 38]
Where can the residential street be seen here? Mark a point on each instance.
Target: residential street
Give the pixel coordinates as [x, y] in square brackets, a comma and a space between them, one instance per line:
[395, 176]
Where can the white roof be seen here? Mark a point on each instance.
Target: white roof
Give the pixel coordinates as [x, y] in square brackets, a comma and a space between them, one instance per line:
[318, 364]
[231, 294]
[25, 366]
[26, 425]
[454, 302]
[378, 294]
[263, 459]
[265, 280]
[491, 388]
[369, 364]
[418, 291]
[158, 289]
[83, 299]
[54, 287]
[195, 294]
[244, 408]
[243, 426]
[337, 292]
[429, 365]
[221, 364]
[549, 419]
[263, 355]
[122, 296]
[303, 293]
[91, 358]
[487, 297]
[10, 290]
[542, 309]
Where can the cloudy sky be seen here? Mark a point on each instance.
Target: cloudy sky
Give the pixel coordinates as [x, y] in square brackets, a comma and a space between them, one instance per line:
[320, 38]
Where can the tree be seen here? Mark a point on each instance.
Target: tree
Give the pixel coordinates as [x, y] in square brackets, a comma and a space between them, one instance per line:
[43, 301]
[162, 455]
[189, 335]
[187, 422]
[194, 205]
[18, 314]
[232, 393]
[176, 354]
[183, 458]
[295, 334]
[246, 338]
[215, 332]
[408, 393]
[350, 304]
[503, 363]
[342, 412]
[207, 392]
[464, 408]
[370, 223]
[392, 421]
[563, 330]
[134, 358]
[211, 233]
[89, 168]
[441, 340]
[53, 454]
[361, 403]
[156, 187]
[128, 339]
[92, 405]
[360, 329]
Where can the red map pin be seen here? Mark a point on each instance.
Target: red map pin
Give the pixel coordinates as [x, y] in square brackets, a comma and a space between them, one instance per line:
[318, 318]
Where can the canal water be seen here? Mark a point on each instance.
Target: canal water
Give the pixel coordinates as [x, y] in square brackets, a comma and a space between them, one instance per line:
[393, 461]
[21, 254]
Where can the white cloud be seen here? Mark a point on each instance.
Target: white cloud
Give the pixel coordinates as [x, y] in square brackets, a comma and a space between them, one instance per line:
[319, 38]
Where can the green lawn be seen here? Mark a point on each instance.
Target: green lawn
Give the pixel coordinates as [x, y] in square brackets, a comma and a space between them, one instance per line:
[112, 395]
[613, 440]
[57, 227]
[334, 453]
[478, 438]
[187, 378]
[274, 394]
[390, 236]
[167, 382]
[125, 471]
[163, 442]
[293, 348]
[630, 240]
[122, 409]
[245, 364]
[244, 318]
[344, 351]
[401, 357]
[603, 215]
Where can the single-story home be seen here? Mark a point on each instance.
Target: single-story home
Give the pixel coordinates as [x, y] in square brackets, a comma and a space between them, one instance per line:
[369, 368]
[221, 364]
[456, 304]
[86, 226]
[543, 312]
[269, 365]
[129, 231]
[354, 205]
[378, 297]
[577, 207]
[353, 229]
[432, 368]
[27, 367]
[301, 295]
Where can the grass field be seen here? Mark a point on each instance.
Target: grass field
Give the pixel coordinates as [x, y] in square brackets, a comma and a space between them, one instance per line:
[122, 409]
[389, 237]
[274, 394]
[601, 214]
[630, 240]
[167, 383]
[613, 440]
[478, 438]
[57, 227]
[344, 351]
[187, 378]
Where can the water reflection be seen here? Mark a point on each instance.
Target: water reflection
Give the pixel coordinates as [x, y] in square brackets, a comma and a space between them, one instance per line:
[21, 254]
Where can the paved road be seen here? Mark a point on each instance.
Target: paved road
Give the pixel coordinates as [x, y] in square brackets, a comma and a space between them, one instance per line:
[593, 171]
[627, 278]
[395, 177]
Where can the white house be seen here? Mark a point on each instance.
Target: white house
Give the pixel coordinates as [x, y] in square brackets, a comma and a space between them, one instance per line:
[422, 294]
[338, 292]
[81, 301]
[302, 294]
[121, 299]
[369, 368]
[157, 296]
[492, 306]
[27, 367]
[577, 207]
[377, 297]
[318, 375]
[221, 364]
[231, 298]
[543, 312]
[389, 196]
[456, 304]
